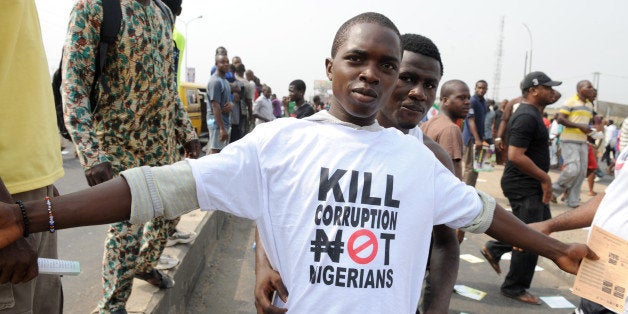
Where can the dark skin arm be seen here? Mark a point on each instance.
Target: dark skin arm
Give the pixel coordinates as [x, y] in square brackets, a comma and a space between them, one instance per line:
[267, 280]
[509, 229]
[218, 116]
[564, 120]
[574, 219]
[111, 202]
[499, 144]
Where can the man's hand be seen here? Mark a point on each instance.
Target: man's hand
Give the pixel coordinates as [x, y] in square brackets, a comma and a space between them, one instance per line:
[570, 261]
[192, 149]
[460, 235]
[223, 134]
[478, 145]
[18, 262]
[546, 186]
[99, 173]
[585, 128]
[499, 144]
[541, 226]
[266, 282]
[227, 108]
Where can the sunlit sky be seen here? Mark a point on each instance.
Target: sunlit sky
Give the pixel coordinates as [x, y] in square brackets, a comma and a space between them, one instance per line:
[284, 40]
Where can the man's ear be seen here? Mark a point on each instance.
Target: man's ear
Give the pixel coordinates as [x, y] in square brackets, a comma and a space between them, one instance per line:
[329, 64]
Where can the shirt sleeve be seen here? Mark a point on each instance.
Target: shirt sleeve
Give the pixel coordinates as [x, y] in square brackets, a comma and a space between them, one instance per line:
[459, 204]
[256, 106]
[78, 68]
[232, 180]
[521, 130]
[213, 91]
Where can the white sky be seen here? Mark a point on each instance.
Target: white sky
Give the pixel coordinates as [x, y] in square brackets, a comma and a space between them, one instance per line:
[283, 40]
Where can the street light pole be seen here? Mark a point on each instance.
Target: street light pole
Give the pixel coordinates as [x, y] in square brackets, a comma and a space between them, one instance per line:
[187, 42]
[530, 35]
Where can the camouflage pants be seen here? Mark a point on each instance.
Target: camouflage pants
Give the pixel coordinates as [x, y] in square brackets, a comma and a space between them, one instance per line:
[129, 249]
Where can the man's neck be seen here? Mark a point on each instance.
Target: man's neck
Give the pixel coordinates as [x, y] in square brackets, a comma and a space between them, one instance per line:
[386, 123]
[300, 102]
[449, 116]
[534, 104]
[337, 111]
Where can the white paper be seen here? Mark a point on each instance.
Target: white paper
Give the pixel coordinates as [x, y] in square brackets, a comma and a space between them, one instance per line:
[469, 292]
[49, 266]
[538, 268]
[471, 258]
[558, 302]
[506, 256]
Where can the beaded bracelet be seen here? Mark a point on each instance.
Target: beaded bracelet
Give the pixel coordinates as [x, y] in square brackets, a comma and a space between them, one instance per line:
[51, 218]
[24, 218]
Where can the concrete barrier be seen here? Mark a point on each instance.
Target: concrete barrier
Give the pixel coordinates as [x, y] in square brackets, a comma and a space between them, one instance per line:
[146, 298]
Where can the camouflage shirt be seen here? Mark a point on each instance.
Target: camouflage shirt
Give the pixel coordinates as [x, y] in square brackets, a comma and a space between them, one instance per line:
[140, 118]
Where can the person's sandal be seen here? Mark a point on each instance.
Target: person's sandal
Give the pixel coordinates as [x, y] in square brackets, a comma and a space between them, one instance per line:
[527, 297]
[156, 278]
[489, 258]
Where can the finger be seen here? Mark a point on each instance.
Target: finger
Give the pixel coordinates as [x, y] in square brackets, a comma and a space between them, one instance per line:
[591, 254]
[19, 272]
[282, 292]
[5, 274]
[31, 272]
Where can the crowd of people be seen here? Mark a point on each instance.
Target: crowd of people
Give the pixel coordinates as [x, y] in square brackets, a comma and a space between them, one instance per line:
[140, 154]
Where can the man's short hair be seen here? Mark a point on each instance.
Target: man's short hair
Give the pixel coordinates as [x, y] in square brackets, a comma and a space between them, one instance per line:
[318, 98]
[421, 45]
[298, 85]
[240, 69]
[368, 18]
[481, 81]
[174, 6]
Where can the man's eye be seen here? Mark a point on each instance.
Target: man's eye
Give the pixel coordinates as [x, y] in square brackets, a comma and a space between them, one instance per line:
[389, 66]
[353, 58]
[405, 78]
[429, 85]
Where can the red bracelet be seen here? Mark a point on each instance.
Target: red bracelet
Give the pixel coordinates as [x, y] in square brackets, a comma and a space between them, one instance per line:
[51, 218]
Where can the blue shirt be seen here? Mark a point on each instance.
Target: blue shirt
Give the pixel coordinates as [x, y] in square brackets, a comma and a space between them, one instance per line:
[477, 112]
[217, 90]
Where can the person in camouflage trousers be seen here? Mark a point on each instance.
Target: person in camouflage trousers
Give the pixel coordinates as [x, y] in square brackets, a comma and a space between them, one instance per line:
[140, 121]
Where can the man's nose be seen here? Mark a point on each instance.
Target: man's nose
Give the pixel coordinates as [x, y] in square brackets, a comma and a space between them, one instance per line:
[370, 74]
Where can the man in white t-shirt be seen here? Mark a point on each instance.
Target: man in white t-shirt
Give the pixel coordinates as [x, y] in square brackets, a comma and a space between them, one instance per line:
[334, 197]
[263, 107]
[419, 74]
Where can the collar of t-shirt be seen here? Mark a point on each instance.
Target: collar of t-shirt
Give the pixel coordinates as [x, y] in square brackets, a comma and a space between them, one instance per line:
[324, 116]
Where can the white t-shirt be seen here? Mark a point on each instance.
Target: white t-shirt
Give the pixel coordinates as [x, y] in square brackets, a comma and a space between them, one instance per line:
[264, 108]
[612, 214]
[345, 215]
[417, 132]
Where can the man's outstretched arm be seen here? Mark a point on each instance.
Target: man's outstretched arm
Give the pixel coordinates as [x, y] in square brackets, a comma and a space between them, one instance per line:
[506, 228]
[573, 219]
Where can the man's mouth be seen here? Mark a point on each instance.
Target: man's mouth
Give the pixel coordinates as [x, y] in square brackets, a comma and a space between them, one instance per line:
[365, 94]
[414, 107]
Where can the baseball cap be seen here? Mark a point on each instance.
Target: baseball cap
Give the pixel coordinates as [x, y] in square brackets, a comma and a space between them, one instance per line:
[537, 78]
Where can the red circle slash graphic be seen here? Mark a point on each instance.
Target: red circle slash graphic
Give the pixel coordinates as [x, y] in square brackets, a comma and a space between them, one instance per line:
[370, 241]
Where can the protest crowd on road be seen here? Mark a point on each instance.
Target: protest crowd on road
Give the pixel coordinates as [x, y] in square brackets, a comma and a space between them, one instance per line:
[315, 172]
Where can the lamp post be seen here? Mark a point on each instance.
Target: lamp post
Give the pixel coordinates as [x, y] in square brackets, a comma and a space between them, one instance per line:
[530, 57]
[187, 43]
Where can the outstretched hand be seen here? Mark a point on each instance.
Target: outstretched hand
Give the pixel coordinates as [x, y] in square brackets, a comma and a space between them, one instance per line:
[99, 173]
[268, 281]
[570, 261]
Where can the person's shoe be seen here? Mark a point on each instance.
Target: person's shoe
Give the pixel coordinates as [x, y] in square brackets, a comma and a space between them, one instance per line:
[156, 278]
[181, 237]
[491, 260]
[527, 297]
[166, 262]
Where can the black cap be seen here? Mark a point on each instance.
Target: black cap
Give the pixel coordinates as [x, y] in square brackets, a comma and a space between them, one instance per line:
[537, 78]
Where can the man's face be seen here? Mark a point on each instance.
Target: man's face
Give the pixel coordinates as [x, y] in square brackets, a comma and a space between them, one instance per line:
[481, 88]
[267, 92]
[294, 94]
[544, 95]
[586, 91]
[363, 72]
[235, 61]
[458, 102]
[222, 64]
[415, 91]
